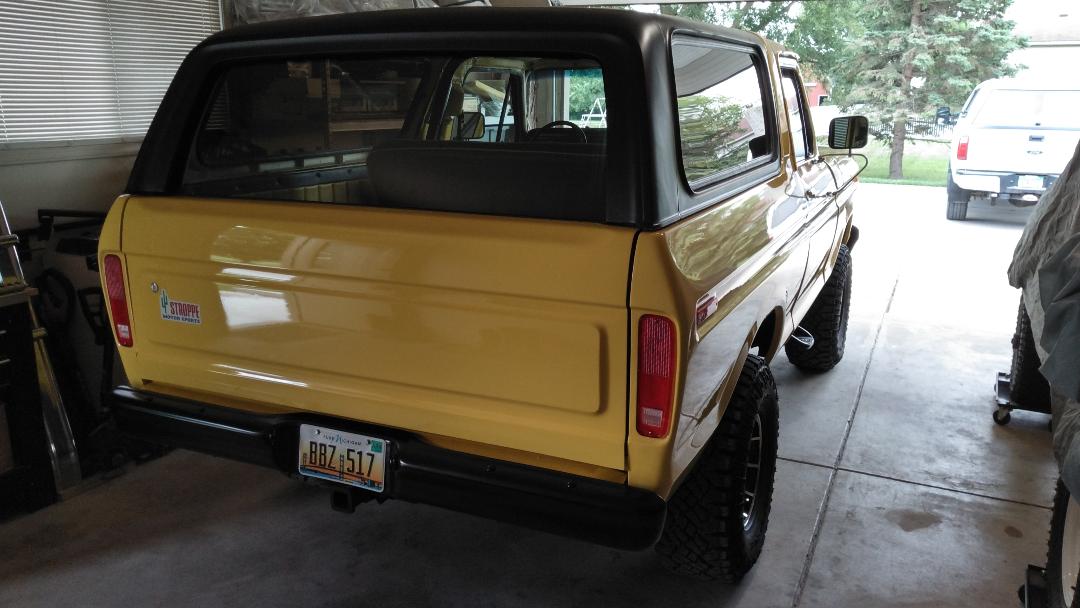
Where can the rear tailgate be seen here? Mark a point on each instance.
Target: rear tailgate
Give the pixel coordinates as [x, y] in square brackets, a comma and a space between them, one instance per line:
[1017, 150]
[509, 332]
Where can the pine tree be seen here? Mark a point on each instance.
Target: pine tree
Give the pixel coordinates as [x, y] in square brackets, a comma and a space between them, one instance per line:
[915, 55]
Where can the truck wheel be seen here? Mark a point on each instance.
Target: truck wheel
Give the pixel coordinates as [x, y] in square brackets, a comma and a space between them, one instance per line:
[1063, 556]
[957, 199]
[827, 321]
[1027, 387]
[716, 520]
[956, 211]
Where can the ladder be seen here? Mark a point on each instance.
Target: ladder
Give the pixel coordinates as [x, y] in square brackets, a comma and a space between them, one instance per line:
[597, 113]
[16, 299]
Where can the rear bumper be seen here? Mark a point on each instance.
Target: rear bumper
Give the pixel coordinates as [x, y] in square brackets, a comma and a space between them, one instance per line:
[1001, 183]
[579, 507]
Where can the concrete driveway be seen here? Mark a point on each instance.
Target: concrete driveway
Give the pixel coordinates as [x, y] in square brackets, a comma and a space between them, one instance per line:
[895, 487]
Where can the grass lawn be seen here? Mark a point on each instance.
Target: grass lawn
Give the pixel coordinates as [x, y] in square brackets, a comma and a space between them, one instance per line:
[925, 163]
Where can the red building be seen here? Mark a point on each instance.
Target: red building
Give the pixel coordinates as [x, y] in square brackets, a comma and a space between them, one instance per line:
[816, 93]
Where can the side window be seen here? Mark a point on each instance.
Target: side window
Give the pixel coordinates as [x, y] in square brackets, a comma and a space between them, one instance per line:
[798, 116]
[722, 113]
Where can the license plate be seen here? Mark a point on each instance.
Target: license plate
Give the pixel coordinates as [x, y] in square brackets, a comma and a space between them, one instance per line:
[356, 460]
[1030, 182]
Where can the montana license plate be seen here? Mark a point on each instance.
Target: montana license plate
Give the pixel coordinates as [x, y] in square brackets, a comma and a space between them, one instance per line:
[356, 460]
[1030, 182]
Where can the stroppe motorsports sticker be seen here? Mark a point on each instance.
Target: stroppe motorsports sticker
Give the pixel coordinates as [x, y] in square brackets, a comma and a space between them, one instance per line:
[182, 312]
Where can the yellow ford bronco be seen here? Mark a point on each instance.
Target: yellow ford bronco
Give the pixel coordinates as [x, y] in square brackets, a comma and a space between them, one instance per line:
[529, 264]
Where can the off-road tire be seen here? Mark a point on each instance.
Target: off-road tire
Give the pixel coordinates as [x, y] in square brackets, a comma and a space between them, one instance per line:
[1053, 554]
[827, 321]
[1028, 387]
[704, 536]
[957, 199]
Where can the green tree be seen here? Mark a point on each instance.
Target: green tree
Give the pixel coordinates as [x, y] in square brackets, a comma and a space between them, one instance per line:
[818, 31]
[821, 34]
[914, 55]
[586, 87]
[770, 19]
[697, 12]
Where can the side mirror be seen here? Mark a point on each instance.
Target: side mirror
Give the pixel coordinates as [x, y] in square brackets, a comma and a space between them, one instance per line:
[471, 125]
[848, 132]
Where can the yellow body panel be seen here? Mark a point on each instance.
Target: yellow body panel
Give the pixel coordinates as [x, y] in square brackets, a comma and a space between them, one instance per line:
[509, 338]
[499, 331]
[753, 271]
[761, 254]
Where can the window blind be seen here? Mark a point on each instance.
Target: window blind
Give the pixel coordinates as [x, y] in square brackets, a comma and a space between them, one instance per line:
[81, 70]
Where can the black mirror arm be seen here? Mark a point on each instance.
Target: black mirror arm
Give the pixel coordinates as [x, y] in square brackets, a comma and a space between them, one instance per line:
[821, 159]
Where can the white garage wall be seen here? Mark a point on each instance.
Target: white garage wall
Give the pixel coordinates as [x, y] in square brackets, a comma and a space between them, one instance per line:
[84, 177]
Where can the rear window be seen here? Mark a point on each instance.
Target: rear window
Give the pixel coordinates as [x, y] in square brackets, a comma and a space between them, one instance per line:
[722, 115]
[1029, 109]
[265, 117]
[438, 133]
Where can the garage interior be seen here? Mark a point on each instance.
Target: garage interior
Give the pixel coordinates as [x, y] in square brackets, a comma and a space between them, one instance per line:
[894, 486]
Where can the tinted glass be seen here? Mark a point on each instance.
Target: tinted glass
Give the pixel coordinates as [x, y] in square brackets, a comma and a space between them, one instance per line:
[722, 121]
[303, 113]
[488, 92]
[447, 128]
[542, 95]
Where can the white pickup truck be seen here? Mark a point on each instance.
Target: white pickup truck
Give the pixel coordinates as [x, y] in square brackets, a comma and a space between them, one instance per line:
[1011, 142]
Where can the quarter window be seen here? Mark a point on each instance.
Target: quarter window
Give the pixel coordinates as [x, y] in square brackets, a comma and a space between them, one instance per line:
[797, 116]
[722, 115]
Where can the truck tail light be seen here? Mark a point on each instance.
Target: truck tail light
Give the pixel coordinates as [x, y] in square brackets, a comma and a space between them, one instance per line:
[118, 306]
[962, 148]
[655, 375]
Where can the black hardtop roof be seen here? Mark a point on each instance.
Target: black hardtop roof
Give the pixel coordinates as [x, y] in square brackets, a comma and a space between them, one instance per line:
[633, 46]
[474, 22]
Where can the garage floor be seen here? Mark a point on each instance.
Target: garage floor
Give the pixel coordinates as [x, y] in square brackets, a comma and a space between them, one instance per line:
[895, 487]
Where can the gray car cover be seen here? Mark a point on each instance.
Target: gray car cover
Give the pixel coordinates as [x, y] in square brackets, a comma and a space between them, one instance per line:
[1046, 265]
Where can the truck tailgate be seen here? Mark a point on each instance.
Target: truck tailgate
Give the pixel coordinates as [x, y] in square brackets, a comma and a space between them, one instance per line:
[509, 332]
[1012, 150]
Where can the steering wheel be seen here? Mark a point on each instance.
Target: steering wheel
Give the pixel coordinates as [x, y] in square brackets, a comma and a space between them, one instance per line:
[555, 124]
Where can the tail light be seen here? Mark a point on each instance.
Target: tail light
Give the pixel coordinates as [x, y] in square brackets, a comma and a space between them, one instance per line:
[655, 375]
[962, 148]
[118, 306]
